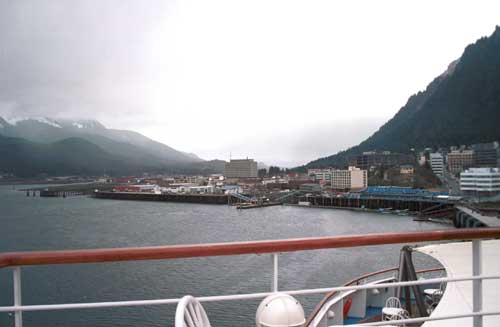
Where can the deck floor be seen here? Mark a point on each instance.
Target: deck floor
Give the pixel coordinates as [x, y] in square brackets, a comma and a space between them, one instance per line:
[373, 314]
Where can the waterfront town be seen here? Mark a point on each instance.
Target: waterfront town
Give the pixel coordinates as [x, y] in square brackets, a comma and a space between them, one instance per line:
[406, 182]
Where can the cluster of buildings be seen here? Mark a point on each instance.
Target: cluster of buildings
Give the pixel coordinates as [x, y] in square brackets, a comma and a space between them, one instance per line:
[239, 174]
[456, 160]
[213, 184]
[476, 165]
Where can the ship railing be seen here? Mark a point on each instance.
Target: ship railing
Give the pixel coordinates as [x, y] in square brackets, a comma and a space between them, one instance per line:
[16, 260]
[331, 298]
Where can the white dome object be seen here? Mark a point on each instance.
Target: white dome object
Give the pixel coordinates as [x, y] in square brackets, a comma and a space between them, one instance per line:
[280, 310]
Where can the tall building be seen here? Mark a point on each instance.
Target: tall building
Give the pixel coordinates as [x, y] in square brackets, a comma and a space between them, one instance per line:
[241, 168]
[459, 160]
[480, 181]
[350, 179]
[485, 154]
[437, 163]
[380, 159]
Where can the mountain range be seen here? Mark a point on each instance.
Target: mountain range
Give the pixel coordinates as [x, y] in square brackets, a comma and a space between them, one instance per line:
[41, 145]
[461, 106]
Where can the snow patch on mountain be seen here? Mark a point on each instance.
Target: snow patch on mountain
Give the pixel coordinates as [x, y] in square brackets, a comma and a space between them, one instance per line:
[16, 120]
[81, 123]
[44, 120]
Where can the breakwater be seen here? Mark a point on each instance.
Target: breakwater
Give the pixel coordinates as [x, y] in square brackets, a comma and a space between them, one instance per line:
[168, 197]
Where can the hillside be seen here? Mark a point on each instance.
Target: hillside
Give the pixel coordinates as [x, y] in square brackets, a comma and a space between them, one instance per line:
[461, 106]
[124, 143]
[67, 157]
[76, 156]
[41, 145]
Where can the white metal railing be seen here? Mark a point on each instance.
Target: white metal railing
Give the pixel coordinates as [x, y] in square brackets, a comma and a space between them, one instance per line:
[391, 276]
[234, 297]
[336, 299]
[476, 279]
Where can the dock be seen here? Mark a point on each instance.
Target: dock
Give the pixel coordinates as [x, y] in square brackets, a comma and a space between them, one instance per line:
[424, 206]
[67, 190]
[165, 197]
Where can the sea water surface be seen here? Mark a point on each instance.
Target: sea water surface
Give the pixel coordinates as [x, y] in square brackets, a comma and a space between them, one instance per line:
[28, 223]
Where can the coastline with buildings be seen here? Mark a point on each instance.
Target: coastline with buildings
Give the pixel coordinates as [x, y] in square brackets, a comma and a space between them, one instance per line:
[385, 182]
[374, 168]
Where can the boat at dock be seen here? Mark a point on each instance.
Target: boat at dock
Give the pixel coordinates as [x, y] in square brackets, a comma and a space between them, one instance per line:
[463, 291]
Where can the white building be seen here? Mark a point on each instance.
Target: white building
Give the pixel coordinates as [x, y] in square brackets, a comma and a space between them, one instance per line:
[241, 168]
[352, 178]
[208, 189]
[480, 181]
[437, 163]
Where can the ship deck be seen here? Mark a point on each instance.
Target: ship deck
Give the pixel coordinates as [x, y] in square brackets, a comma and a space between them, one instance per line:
[456, 258]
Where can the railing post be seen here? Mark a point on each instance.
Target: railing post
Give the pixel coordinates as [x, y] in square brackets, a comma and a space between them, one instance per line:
[477, 284]
[274, 285]
[18, 315]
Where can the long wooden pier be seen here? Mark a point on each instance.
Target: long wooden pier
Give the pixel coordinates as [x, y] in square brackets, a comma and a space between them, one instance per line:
[421, 206]
[167, 197]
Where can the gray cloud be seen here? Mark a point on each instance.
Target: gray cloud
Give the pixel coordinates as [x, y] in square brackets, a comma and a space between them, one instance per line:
[293, 147]
[284, 82]
[65, 58]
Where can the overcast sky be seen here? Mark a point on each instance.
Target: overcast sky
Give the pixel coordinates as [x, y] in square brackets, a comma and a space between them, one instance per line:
[283, 82]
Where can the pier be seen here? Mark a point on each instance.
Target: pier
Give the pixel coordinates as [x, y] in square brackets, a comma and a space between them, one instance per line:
[427, 207]
[63, 194]
[467, 217]
[67, 190]
[166, 197]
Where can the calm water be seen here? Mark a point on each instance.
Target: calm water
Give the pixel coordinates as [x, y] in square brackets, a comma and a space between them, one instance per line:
[28, 223]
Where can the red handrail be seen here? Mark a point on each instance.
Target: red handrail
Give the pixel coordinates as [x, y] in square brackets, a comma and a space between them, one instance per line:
[219, 249]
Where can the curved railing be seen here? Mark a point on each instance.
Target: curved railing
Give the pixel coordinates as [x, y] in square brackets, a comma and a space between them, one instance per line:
[330, 295]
